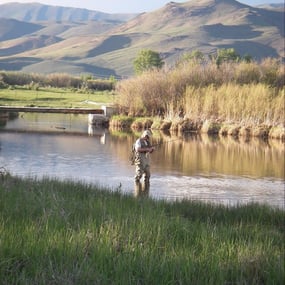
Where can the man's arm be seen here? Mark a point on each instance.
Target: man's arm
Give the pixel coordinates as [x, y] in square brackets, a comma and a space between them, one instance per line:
[143, 149]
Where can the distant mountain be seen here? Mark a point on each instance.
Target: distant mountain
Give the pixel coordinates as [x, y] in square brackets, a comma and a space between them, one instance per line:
[35, 12]
[275, 6]
[106, 45]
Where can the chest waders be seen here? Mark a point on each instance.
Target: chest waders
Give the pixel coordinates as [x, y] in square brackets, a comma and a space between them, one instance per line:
[142, 163]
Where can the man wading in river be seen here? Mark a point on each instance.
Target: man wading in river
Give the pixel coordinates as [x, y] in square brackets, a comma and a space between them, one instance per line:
[142, 149]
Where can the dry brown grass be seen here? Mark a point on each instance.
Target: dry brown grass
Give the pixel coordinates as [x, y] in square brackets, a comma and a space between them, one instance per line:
[246, 104]
[240, 93]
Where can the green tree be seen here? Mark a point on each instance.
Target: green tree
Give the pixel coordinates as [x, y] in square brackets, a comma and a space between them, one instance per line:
[146, 60]
[226, 55]
[247, 58]
[195, 55]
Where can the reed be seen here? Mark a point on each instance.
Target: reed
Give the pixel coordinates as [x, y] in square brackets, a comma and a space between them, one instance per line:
[62, 232]
[238, 92]
[121, 122]
[144, 96]
[247, 104]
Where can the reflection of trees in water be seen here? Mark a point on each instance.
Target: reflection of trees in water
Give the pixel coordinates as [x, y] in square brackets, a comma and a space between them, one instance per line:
[202, 154]
[231, 157]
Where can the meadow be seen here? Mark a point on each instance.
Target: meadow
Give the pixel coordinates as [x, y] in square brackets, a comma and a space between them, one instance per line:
[65, 232]
[54, 97]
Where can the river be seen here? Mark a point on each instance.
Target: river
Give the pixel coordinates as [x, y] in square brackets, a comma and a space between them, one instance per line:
[211, 169]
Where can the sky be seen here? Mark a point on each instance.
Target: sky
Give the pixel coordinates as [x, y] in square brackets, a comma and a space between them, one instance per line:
[123, 6]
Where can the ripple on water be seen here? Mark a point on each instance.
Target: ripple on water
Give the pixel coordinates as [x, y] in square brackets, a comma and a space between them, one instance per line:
[214, 189]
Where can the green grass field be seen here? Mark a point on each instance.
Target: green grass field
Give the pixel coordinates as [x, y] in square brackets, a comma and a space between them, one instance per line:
[52, 97]
[55, 232]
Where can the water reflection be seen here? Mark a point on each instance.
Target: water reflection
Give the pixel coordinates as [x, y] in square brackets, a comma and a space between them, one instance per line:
[204, 154]
[214, 169]
[47, 122]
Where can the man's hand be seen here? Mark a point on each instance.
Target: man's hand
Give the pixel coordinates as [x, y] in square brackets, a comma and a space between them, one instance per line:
[151, 149]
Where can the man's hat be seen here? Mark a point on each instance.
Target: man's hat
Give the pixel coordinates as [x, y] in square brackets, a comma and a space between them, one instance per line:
[146, 133]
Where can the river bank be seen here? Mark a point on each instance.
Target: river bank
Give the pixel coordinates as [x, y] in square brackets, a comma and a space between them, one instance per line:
[73, 233]
[207, 126]
[258, 121]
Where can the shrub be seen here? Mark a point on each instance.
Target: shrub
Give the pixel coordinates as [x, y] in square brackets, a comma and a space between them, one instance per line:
[61, 80]
[270, 69]
[57, 80]
[100, 85]
[234, 91]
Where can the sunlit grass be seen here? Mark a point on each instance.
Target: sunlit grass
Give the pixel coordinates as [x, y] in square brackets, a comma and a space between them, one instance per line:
[248, 104]
[70, 233]
[243, 93]
[54, 97]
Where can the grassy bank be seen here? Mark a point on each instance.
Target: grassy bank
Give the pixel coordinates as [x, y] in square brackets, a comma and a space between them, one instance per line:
[70, 233]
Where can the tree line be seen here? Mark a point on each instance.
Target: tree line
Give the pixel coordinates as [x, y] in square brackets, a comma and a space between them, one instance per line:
[148, 59]
[56, 80]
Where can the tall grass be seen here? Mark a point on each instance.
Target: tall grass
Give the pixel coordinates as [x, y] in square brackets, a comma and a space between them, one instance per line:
[145, 95]
[247, 104]
[70, 233]
[235, 91]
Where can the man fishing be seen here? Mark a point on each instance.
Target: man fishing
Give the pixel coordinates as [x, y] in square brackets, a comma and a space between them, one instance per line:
[142, 149]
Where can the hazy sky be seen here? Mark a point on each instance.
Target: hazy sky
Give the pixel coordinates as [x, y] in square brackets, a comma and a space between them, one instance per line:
[122, 6]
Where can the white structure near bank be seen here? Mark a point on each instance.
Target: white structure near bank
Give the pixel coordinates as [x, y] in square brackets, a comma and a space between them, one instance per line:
[101, 119]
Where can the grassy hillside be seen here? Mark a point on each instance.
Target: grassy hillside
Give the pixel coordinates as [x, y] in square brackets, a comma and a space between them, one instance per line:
[107, 48]
[11, 29]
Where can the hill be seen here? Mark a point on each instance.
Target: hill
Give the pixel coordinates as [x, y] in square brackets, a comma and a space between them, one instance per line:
[274, 6]
[35, 12]
[105, 47]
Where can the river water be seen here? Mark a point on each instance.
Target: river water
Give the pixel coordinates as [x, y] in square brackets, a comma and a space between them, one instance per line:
[212, 169]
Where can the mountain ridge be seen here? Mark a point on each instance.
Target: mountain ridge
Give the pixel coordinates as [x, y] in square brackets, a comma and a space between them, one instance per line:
[110, 46]
[36, 12]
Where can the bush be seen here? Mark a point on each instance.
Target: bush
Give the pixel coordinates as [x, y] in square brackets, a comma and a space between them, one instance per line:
[57, 80]
[100, 85]
[239, 91]
[61, 80]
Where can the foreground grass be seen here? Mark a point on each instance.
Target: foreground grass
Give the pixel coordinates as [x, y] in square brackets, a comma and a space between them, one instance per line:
[55, 232]
[54, 97]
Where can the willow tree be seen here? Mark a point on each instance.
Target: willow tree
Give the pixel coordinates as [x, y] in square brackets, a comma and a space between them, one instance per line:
[146, 60]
